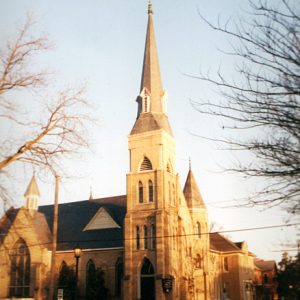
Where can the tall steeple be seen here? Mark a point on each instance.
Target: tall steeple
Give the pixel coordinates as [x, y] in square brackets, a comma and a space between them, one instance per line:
[152, 97]
[32, 195]
[151, 72]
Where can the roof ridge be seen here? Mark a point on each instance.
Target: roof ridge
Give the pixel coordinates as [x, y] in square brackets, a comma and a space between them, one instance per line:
[228, 240]
[90, 201]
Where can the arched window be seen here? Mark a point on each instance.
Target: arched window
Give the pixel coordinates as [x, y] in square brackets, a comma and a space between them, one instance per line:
[145, 237]
[153, 237]
[198, 230]
[146, 164]
[141, 192]
[66, 280]
[20, 271]
[63, 266]
[266, 279]
[90, 279]
[119, 276]
[150, 191]
[137, 237]
[63, 275]
[198, 261]
[147, 267]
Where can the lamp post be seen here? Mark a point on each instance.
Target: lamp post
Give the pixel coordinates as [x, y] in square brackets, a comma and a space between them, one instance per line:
[77, 253]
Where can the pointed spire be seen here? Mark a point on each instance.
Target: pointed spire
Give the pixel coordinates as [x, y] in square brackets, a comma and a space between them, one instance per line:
[32, 195]
[151, 100]
[151, 80]
[191, 191]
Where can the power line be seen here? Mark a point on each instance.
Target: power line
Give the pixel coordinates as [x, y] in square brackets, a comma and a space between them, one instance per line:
[286, 250]
[167, 236]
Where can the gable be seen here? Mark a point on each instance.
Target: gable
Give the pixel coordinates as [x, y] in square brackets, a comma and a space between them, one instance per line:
[32, 227]
[101, 220]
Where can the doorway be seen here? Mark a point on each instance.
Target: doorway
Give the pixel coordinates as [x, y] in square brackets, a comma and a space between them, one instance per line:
[147, 278]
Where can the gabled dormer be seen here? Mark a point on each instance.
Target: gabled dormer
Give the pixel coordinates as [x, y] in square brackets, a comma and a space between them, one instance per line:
[144, 101]
[101, 220]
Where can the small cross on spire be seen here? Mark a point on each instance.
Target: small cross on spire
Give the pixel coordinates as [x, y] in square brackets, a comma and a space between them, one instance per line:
[190, 163]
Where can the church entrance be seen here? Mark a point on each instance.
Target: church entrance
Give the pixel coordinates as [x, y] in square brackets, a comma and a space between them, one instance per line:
[147, 281]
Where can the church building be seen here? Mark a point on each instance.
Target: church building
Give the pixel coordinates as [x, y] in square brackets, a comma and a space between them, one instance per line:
[152, 243]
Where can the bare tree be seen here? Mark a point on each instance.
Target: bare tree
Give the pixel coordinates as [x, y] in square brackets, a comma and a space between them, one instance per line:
[54, 127]
[265, 99]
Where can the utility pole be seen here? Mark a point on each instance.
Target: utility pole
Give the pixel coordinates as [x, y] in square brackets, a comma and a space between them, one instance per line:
[54, 239]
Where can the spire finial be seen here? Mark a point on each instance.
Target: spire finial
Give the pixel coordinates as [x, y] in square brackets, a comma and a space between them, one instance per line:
[91, 193]
[190, 163]
[150, 11]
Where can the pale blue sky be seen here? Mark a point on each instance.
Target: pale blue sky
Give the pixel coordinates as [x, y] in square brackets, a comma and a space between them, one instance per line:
[102, 42]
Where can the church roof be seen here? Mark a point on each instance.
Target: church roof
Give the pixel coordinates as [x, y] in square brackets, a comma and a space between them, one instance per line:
[75, 216]
[191, 192]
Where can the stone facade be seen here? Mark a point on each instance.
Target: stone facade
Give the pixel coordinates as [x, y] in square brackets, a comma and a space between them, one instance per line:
[152, 243]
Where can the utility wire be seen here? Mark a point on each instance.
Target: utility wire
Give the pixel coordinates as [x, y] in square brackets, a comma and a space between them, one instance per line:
[165, 236]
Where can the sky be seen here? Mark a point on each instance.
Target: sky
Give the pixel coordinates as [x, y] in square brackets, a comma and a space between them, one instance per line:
[100, 43]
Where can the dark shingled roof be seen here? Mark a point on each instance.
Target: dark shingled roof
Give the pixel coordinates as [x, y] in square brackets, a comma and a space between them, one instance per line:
[220, 243]
[116, 200]
[74, 216]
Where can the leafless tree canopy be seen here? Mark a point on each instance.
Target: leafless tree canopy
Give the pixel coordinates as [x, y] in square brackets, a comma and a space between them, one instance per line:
[44, 131]
[266, 98]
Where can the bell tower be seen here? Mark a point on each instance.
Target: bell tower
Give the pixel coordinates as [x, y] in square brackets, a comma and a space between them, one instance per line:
[32, 195]
[152, 200]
